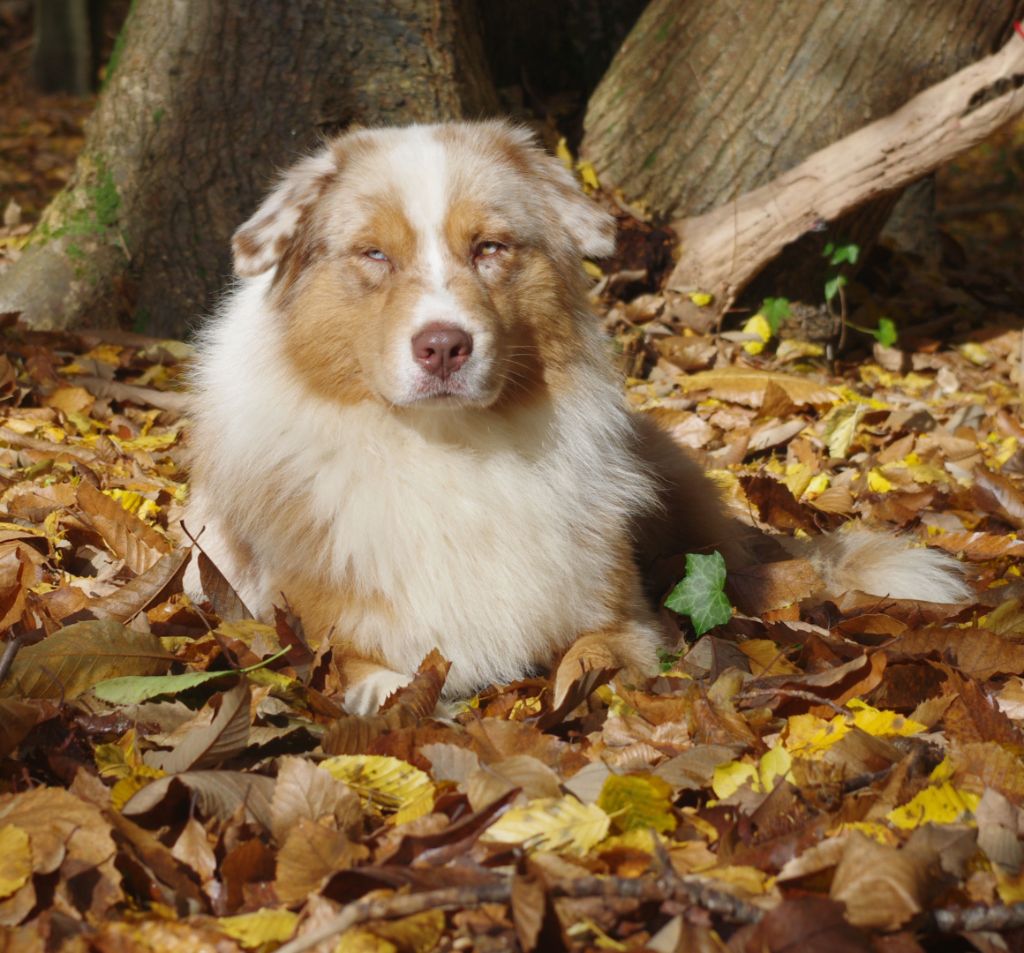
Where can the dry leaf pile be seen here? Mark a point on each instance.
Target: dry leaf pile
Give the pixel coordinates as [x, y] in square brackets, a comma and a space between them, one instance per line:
[840, 776]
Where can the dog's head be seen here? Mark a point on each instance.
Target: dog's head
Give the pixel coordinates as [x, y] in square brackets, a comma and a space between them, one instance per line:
[426, 265]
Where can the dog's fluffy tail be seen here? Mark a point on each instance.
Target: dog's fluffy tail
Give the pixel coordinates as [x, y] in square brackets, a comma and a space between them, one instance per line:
[882, 565]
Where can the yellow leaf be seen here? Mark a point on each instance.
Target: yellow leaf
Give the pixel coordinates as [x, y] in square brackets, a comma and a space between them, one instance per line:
[791, 349]
[135, 503]
[563, 153]
[1009, 886]
[808, 736]
[584, 926]
[938, 804]
[253, 930]
[701, 298]
[731, 776]
[876, 831]
[748, 879]
[875, 721]
[125, 789]
[767, 658]
[361, 940]
[774, 763]
[816, 486]
[758, 324]
[877, 482]
[636, 839]
[105, 354]
[386, 785]
[588, 176]
[975, 353]
[638, 801]
[524, 708]
[553, 824]
[840, 429]
[593, 270]
[15, 859]
[418, 933]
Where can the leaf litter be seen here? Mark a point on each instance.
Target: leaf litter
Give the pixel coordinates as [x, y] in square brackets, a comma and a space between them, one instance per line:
[846, 774]
[862, 756]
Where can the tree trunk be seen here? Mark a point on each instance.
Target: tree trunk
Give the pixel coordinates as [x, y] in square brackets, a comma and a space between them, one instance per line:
[204, 102]
[707, 100]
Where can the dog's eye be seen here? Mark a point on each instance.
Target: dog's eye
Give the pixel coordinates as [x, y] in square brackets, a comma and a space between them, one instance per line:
[375, 254]
[488, 249]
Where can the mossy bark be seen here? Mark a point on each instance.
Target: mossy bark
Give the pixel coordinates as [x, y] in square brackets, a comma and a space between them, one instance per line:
[207, 99]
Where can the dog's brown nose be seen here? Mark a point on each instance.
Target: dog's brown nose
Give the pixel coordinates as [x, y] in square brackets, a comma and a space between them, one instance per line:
[441, 349]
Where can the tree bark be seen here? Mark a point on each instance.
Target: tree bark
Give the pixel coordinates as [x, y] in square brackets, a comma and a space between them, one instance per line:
[723, 249]
[708, 100]
[206, 100]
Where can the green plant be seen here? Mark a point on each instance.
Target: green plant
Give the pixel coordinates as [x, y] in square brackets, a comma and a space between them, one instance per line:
[701, 593]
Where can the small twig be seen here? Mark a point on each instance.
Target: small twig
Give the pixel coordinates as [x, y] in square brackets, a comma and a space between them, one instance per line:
[7, 659]
[976, 919]
[172, 400]
[755, 693]
[667, 886]
[403, 905]
[45, 446]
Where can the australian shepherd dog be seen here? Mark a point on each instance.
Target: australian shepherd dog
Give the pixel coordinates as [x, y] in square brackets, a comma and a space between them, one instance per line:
[408, 426]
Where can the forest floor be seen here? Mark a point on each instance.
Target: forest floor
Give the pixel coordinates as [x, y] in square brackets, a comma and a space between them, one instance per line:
[843, 776]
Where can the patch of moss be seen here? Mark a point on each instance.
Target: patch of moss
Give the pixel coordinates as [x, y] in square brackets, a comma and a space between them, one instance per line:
[118, 50]
[98, 213]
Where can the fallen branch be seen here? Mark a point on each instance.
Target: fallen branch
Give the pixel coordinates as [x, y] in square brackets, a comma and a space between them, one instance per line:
[644, 889]
[723, 250]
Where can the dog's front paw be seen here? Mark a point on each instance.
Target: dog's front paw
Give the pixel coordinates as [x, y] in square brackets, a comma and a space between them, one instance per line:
[367, 695]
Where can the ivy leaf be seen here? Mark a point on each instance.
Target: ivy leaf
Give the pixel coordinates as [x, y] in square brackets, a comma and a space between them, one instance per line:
[886, 333]
[842, 254]
[701, 595]
[775, 311]
[833, 285]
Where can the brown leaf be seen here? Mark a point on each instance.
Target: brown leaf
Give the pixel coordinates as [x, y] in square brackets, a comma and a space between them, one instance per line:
[978, 546]
[996, 494]
[226, 602]
[881, 886]
[71, 836]
[214, 794]
[18, 718]
[777, 506]
[528, 902]
[73, 659]
[208, 745]
[748, 386]
[162, 872]
[420, 697]
[804, 925]
[303, 791]
[973, 716]
[978, 653]
[310, 855]
[193, 848]
[251, 862]
[762, 587]
[135, 541]
[127, 601]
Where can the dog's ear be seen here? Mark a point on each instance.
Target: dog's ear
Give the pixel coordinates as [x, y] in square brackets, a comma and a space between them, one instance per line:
[259, 244]
[589, 228]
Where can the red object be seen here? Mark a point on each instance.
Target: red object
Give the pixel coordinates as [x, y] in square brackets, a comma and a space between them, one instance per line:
[1019, 27]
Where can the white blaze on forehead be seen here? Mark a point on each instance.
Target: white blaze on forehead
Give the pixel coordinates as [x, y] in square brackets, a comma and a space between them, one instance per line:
[422, 175]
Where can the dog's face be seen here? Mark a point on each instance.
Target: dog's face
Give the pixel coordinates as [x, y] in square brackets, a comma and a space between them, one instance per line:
[431, 265]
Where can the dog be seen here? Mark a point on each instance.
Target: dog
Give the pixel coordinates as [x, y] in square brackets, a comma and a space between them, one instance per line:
[406, 423]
